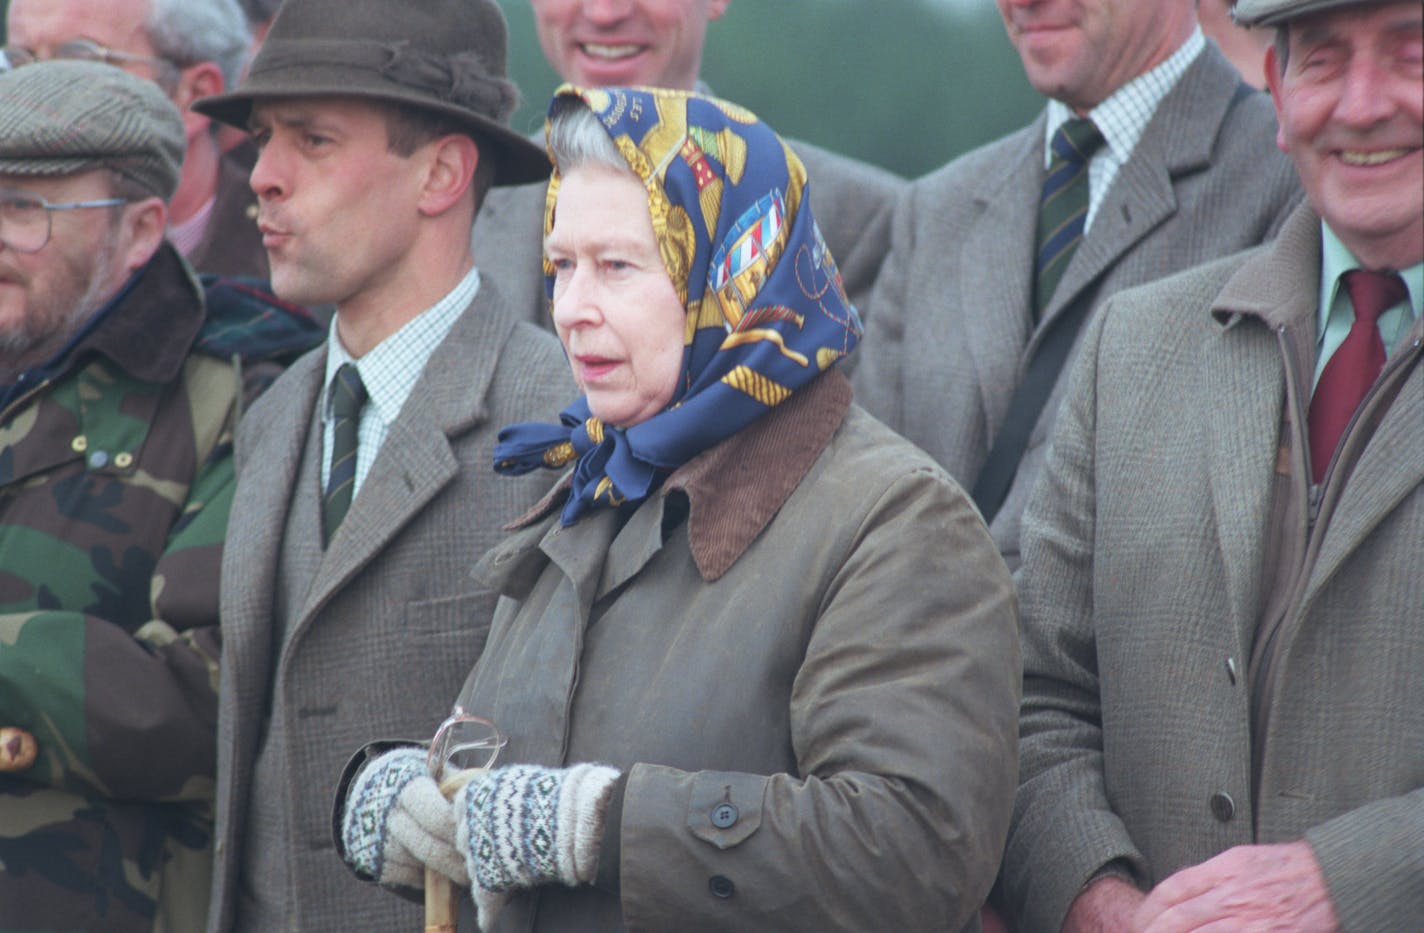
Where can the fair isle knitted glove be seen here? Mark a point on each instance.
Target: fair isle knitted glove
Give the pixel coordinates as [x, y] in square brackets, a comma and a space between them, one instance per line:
[395, 822]
[524, 825]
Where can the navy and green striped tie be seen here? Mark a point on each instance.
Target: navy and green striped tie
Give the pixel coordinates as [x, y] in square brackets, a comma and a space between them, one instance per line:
[1063, 206]
[348, 395]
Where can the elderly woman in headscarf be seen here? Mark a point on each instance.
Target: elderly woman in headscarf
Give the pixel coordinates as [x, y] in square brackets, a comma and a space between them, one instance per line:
[756, 656]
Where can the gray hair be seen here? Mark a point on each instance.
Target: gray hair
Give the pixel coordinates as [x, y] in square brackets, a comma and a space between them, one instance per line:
[192, 31]
[577, 138]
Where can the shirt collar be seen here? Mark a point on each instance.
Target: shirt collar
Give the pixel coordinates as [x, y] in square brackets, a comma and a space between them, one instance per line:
[390, 370]
[1336, 259]
[1124, 116]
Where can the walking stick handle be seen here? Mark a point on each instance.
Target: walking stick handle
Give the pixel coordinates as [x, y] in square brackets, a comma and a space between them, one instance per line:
[442, 898]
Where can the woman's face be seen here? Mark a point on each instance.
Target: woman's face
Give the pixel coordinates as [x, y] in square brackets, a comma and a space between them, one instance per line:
[615, 308]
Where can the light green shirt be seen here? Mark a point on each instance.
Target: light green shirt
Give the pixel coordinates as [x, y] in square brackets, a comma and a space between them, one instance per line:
[1336, 312]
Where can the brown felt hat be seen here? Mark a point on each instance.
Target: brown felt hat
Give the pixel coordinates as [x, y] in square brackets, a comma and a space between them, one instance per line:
[444, 56]
[1275, 12]
[64, 117]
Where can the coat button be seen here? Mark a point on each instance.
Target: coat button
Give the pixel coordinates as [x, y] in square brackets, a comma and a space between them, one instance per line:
[721, 886]
[79, 444]
[1222, 806]
[724, 816]
[124, 460]
[18, 749]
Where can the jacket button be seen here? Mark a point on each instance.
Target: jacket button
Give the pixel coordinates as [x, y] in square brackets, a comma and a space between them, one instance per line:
[18, 749]
[724, 816]
[721, 886]
[79, 444]
[1222, 806]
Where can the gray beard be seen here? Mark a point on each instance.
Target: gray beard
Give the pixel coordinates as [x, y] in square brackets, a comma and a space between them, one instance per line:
[39, 339]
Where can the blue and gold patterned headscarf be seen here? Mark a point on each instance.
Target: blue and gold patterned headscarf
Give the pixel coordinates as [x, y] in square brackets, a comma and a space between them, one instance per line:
[766, 311]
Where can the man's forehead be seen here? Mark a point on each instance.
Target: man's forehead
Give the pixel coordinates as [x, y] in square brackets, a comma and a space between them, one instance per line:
[48, 185]
[1404, 17]
[311, 110]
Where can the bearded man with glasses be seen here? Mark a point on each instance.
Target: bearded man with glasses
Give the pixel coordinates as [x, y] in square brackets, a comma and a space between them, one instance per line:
[118, 402]
[190, 48]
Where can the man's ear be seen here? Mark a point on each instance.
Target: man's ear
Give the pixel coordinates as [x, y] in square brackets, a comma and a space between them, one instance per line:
[197, 81]
[450, 165]
[142, 229]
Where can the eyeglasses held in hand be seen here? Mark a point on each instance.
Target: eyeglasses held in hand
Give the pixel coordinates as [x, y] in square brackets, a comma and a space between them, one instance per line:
[464, 743]
[25, 217]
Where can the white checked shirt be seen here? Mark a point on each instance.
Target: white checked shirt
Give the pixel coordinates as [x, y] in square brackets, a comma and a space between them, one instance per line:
[1122, 118]
[389, 372]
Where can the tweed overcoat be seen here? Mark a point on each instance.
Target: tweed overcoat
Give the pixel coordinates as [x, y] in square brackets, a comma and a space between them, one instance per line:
[379, 630]
[852, 200]
[828, 643]
[1143, 586]
[952, 331]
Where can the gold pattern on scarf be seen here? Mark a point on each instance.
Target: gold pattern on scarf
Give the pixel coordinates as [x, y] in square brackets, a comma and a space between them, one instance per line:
[559, 455]
[742, 337]
[748, 380]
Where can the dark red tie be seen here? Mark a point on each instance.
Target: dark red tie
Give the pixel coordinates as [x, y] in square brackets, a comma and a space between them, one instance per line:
[1355, 365]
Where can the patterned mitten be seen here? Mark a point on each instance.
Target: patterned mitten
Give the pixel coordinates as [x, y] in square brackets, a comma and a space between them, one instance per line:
[395, 823]
[525, 825]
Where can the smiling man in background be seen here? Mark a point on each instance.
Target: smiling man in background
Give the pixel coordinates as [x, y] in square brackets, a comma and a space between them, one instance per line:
[1223, 718]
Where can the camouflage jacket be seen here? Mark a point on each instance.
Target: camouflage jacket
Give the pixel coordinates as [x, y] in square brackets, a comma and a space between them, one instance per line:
[115, 480]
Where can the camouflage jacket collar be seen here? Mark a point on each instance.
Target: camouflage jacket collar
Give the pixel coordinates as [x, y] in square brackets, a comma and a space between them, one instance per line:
[150, 327]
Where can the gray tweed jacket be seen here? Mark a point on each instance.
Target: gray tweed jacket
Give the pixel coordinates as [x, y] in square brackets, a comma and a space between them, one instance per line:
[952, 330]
[326, 650]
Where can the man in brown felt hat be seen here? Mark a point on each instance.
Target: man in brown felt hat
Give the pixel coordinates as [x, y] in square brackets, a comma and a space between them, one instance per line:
[365, 487]
[1223, 610]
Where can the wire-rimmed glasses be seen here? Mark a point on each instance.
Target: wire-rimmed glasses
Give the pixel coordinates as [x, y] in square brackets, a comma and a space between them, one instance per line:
[25, 223]
[166, 71]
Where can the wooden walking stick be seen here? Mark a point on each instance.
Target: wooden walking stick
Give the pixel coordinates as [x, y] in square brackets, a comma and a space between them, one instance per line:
[463, 747]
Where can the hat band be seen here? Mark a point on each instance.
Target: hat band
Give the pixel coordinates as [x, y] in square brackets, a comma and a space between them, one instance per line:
[460, 79]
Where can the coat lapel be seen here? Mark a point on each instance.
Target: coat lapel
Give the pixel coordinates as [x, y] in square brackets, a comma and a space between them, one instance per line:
[1242, 367]
[1177, 142]
[999, 328]
[269, 480]
[1390, 467]
[417, 461]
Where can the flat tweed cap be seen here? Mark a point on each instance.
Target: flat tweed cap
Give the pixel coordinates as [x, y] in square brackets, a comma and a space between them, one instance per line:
[1275, 12]
[444, 56]
[64, 117]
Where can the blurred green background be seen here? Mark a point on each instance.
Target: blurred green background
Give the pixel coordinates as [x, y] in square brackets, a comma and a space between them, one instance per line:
[906, 84]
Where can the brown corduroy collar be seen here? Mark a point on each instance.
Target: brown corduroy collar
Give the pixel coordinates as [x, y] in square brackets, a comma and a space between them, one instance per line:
[737, 487]
[150, 332]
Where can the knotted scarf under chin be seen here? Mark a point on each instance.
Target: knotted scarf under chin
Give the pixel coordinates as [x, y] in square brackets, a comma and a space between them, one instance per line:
[606, 473]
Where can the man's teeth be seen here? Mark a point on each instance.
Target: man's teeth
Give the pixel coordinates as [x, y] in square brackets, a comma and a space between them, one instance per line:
[610, 51]
[1370, 158]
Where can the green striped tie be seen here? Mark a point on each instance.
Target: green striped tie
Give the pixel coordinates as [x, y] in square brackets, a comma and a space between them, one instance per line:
[348, 394]
[1063, 206]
